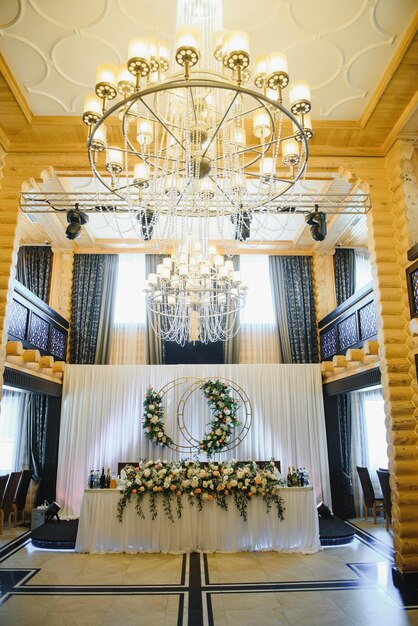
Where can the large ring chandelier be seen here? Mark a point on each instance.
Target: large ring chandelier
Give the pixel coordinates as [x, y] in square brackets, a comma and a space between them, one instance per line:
[200, 143]
[192, 298]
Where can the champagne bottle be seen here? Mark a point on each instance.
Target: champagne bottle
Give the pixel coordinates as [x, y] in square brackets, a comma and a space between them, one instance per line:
[289, 477]
[108, 478]
[102, 480]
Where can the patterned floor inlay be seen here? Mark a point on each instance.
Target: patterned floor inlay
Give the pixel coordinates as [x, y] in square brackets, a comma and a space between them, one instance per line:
[340, 585]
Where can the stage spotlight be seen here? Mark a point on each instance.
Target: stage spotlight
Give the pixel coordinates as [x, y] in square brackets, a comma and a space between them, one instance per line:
[146, 222]
[76, 219]
[51, 511]
[318, 223]
[242, 223]
[324, 511]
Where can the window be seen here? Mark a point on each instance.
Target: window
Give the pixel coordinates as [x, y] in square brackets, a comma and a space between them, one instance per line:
[258, 339]
[375, 428]
[363, 269]
[255, 274]
[130, 297]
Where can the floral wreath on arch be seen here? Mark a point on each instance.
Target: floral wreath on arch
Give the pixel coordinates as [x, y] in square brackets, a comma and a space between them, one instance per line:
[224, 410]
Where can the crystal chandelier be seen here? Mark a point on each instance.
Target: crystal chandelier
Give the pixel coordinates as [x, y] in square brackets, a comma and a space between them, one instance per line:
[202, 150]
[193, 298]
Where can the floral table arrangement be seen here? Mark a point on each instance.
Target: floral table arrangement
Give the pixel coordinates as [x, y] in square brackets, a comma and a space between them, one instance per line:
[200, 482]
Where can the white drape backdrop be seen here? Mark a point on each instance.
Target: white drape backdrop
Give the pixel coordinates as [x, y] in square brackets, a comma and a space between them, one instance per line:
[102, 409]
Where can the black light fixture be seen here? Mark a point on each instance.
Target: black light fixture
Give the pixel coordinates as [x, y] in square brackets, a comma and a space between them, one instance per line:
[51, 511]
[324, 511]
[76, 219]
[242, 224]
[317, 220]
[146, 222]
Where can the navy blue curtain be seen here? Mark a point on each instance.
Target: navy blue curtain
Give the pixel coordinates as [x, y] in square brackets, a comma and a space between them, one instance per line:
[33, 269]
[37, 425]
[344, 268]
[344, 419]
[88, 286]
[300, 307]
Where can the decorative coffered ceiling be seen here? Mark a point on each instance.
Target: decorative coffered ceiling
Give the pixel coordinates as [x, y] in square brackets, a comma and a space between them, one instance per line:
[342, 48]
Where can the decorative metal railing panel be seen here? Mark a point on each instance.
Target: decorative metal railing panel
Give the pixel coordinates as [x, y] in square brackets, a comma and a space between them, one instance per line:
[36, 325]
[349, 325]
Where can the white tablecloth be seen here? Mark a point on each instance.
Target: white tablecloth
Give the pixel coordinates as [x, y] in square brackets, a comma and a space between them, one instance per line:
[211, 530]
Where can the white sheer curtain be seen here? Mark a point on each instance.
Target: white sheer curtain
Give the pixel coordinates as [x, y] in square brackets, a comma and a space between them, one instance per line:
[258, 333]
[128, 340]
[102, 410]
[13, 429]
[368, 439]
[362, 268]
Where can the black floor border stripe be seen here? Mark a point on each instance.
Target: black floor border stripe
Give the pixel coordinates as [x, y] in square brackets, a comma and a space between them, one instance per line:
[13, 546]
[360, 583]
[101, 589]
[181, 610]
[183, 570]
[209, 608]
[373, 542]
[206, 569]
[195, 612]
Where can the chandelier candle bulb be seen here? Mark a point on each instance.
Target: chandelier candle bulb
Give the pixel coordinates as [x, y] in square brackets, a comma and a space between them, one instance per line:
[307, 129]
[240, 138]
[92, 109]
[236, 41]
[159, 268]
[204, 270]
[167, 262]
[277, 63]
[260, 71]
[165, 273]
[152, 279]
[98, 141]
[183, 270]
[188, 37]
[267, 167]
[229, 266]
[138, 48]
[125, 84]
[106, 74]
[290, 152]
[212, 250]
[171, 300]
[300, 97]
[237, 276]
[145, 130]
[218, 261]
[261, 125]
[141, 174]
[218, 39]
[164, 55]
[114, 161]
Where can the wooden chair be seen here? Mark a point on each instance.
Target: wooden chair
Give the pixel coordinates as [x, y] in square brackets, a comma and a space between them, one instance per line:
[6, 507]
[3, 483]
[385, 486]
[19, 502]
[370, 500]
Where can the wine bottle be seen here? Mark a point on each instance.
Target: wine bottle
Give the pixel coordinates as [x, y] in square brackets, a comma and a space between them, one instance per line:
[108, 478]
[289, 477]
[102, 480]
[91, 480]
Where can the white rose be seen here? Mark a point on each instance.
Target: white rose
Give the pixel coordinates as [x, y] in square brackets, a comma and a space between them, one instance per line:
[166, 484]
[227, 420]
[149, 414]
[128, 483]
[154, 420]
[205, 483]
[218, 431]
[253, 489]
[234, 483]
[194, 482]
[147, 472]
[138, 481]
[227, 412]
[151, 407]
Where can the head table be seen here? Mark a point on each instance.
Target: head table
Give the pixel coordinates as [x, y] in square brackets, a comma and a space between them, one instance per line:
[209, 530]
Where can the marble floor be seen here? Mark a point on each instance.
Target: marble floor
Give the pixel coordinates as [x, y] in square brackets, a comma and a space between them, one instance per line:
[345, 586]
